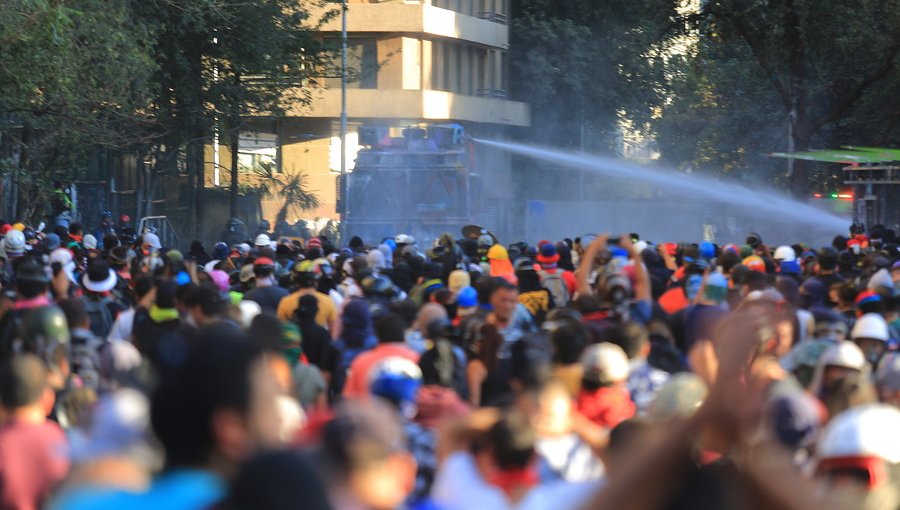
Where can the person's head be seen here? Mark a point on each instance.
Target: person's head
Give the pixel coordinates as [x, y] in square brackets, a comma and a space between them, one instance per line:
[24, 388]
[830, 325]
[887, 379]
[31, 279]
[75, 312]
[205, 304]
[217, 407]
[307, 308]
[504, 299]
[569, 341]
[364, 452]
[277, 480]
[429, 313]
[397, 380]
[550, 409]
[75, 229]
[753, 281]
[605, 364]
[509, 444]
[871, 334]
[633, 338]
[623, 439]
[263, 267]
[390, 328]
[143, 284]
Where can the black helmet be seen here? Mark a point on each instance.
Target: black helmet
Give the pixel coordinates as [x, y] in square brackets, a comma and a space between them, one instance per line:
[754, 240]
[378, 286]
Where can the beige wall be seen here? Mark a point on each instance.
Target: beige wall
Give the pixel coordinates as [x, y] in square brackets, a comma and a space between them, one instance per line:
[399, 17]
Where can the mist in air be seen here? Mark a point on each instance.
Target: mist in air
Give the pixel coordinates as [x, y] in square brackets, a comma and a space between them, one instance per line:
[681, 207]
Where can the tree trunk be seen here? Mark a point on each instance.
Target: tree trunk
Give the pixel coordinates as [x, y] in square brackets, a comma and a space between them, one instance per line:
[233, 191]
[797, 114]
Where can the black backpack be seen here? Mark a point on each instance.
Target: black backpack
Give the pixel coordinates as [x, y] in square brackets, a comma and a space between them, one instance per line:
[98, 310]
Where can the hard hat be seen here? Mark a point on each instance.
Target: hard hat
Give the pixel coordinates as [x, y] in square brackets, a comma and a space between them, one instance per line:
[862, 431]
[18, 226]
[467, 297]
[396, 379]
[263, 241]
[152, 240]
[43, 328]
[89, 242]
[304, 269]
[707, 250]
[755, 263]
[377, 286]
[784, 253]
[845, 354]
[605, 363]
[405, 239]
[870, 325]
[14, 242]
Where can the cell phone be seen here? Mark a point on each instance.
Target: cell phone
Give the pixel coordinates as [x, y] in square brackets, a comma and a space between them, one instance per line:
[614, 241]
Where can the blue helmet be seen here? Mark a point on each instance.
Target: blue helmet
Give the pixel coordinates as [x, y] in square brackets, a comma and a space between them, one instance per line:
[397, 380]
[707, 250]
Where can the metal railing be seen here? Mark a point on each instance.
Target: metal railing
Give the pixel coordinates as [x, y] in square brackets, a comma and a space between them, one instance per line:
[163, 228]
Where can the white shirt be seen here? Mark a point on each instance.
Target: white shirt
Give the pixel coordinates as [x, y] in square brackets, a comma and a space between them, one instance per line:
[121, 328]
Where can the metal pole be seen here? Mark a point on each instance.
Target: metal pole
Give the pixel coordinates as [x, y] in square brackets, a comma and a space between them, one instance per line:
[343, 207]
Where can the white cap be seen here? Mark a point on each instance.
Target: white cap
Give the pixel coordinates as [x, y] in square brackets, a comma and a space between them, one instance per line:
[605, 362]
[152, 240]
[785, 254]
[89, 242]
[863, 431]
[870, 325]
[262, 241]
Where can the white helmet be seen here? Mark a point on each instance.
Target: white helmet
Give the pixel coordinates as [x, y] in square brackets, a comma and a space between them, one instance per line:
[862, 431]
[89, 242]
[605, 363]
[785, 254]
[405, 239]
[263, 241]
[14, 242]
[845, 354]
[870, 325]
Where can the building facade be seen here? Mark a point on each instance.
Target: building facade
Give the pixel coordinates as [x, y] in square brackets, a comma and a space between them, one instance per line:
[410, 62]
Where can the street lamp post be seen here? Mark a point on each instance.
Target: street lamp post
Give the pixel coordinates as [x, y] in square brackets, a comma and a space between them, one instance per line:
[343, 184]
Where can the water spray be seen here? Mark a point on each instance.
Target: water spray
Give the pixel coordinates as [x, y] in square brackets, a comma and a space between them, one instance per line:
[785, 209]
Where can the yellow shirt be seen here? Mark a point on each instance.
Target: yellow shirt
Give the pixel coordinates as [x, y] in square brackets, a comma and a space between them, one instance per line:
[327, 311]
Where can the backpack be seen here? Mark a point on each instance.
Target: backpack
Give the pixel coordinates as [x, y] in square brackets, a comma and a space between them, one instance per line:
[100, 315]
[557, 286]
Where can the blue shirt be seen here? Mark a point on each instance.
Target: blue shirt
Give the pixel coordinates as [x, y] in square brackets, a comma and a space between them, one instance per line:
[176, 490]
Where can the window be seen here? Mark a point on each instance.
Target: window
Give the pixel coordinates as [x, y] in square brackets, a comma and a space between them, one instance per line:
[258, 152]
[362, 65]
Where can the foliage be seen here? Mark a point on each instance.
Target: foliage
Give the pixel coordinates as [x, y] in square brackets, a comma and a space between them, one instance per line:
[772, 75]
[293, 189]
[582, 65]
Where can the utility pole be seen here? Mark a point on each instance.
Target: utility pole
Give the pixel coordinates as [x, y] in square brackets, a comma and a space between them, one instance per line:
[343, 184]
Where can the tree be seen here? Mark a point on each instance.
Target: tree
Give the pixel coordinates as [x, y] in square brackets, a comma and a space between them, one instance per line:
[62, 96]
[582, 65]
[784, 75]
[293, 190]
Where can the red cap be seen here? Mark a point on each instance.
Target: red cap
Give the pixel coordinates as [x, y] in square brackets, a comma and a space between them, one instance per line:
[4, 229]
[314, 242]
[264, 261]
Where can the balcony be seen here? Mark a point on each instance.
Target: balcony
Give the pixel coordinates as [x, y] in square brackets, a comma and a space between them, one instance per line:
[419, 18]
[415, 105]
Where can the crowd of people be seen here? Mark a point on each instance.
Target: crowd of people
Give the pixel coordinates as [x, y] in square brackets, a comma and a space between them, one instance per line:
[607, 372]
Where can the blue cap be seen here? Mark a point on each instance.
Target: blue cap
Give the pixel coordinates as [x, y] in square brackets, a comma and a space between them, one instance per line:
[467, 298]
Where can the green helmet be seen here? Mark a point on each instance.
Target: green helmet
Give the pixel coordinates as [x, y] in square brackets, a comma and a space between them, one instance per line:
[43, 328]
[681, 396]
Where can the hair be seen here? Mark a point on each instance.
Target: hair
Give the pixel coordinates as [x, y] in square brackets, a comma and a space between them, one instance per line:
[631, 337]
[729, 260]
[529, 281]
[489, 346]
[433, 270]
[499, 283]
[143, 285]
[277, 481]
[261, 271]
[569, 342]
[439, 365]
[406, 309]
[215, 375]
[75, 228]
[390, 329]
[755, 280]
[208, 298]
[512, 440]
[23, 379]
[168, 291]
[267, 330]
[75, 312]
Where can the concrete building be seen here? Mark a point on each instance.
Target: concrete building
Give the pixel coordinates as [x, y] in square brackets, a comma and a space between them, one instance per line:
[413, 62]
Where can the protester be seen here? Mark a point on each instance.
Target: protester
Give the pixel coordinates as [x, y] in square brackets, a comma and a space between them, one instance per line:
[618, 373]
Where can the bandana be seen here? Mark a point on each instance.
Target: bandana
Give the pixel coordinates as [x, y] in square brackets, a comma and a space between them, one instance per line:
[158, 314]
